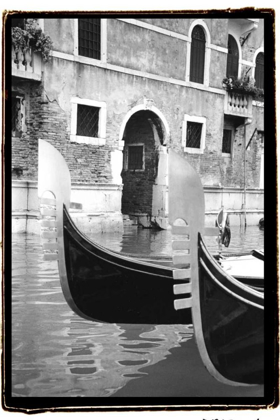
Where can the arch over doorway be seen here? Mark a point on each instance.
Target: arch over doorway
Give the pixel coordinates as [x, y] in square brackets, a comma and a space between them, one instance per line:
[144, 107]
[143, 136]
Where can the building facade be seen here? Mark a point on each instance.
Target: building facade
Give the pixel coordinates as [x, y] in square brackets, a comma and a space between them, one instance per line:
[118, 92]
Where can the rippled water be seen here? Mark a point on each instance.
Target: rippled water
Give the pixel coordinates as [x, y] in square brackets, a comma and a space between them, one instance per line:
[55, 353]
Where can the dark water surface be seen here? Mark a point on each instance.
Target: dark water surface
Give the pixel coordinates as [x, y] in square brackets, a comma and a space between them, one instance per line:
[55, 353]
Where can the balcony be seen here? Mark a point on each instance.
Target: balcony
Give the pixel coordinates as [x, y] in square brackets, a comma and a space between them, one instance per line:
[238, 104]
[26, 64]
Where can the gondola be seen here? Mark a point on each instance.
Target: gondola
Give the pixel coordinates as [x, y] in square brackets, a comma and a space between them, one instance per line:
[103, 285]
[228, 316]
[228, 319]
[100, 284]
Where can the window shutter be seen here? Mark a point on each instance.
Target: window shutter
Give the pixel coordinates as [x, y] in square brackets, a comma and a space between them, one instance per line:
[232, 58]
[197, 55]
[259, 73]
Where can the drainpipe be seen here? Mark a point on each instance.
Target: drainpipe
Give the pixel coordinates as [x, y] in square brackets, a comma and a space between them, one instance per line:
[247, 122]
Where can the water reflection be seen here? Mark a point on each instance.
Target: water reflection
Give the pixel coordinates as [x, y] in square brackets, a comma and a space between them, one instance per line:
[158, 242]
[57, 353]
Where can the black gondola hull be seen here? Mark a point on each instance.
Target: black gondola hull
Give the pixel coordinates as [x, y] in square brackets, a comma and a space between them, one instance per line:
[107, 287]
[229, 324]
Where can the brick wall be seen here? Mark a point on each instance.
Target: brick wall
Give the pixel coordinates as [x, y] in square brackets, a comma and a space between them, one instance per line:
[138, 186]
[45, 119]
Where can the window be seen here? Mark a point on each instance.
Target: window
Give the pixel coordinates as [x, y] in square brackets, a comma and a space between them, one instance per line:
[227, 141]
[193, 135]
[88, 121]
[259, 71]
[232, 58]
[197, 55]
[135, 157]
[89, 38]
[17, 116]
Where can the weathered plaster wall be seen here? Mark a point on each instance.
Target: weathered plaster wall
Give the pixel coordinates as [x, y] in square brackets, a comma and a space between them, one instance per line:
[61, 32]
[253, 42]
[141, 49]
[121, 92]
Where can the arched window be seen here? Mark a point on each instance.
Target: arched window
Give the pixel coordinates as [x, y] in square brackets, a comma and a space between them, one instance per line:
[197, 55]
[259, 71]
[232, 58]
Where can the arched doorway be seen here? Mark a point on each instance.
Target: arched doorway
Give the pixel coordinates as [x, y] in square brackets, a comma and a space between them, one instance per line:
[144, 137]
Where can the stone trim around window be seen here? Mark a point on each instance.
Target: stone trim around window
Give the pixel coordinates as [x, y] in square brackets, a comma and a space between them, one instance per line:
[201, 120]
[207, 56]
[96, 141]
[103, 43]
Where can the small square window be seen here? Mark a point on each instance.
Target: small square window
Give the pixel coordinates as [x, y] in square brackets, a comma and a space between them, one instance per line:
[135, 157]
[87, 121]
[227, 140]
[193, 137]
[193, 134]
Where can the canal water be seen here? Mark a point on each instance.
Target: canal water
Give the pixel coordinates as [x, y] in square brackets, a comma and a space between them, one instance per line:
[55, 353]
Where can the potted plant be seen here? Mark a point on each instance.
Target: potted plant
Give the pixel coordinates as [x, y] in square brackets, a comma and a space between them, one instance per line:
[244, 85]
[32, 37]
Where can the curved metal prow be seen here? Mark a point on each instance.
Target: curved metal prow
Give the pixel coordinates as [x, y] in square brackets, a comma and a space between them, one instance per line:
[186, 216]
[53, 174]
[54, 177]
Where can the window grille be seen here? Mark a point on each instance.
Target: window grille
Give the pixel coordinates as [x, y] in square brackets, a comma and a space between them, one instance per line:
[197, 55]
[16, 117]
[194, 130]
[87, 121]
[259, 72]
[232, 58]
[89, 37]
[226, 147]
[135, 157]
